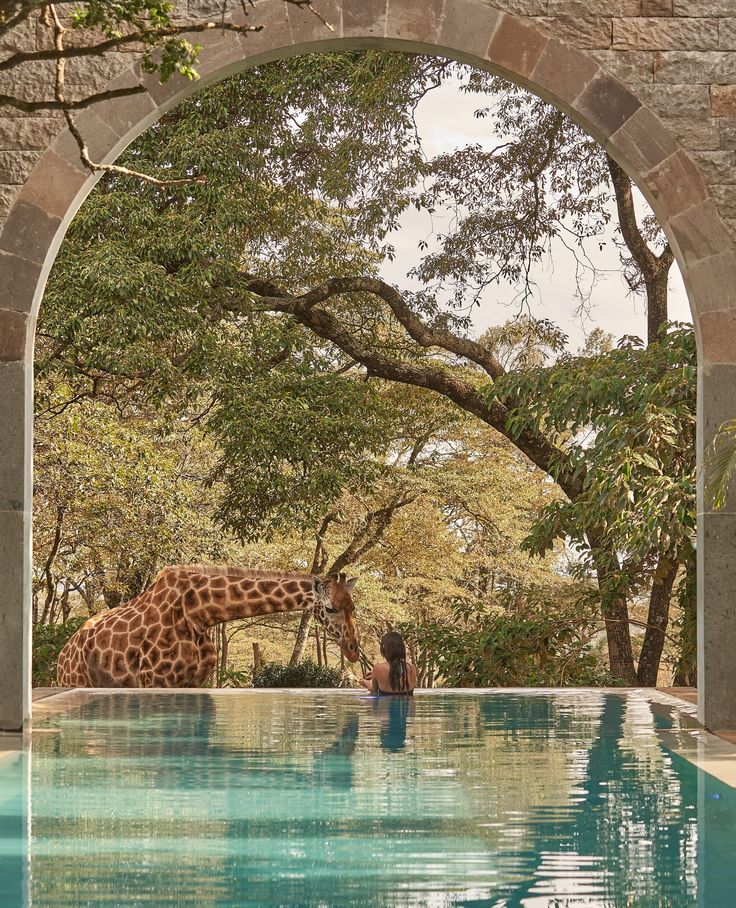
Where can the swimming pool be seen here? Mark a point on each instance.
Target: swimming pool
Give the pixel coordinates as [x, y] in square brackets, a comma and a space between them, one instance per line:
[333, 799]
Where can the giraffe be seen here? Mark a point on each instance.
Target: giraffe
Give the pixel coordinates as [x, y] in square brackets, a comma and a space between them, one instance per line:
[161, 638]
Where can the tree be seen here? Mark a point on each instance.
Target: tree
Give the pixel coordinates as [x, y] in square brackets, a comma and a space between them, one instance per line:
[288, 234]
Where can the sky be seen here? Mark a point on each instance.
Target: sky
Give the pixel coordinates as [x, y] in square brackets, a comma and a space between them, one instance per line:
[445, 120]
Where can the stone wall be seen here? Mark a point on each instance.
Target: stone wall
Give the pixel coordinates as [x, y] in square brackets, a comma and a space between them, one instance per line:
[676, 55]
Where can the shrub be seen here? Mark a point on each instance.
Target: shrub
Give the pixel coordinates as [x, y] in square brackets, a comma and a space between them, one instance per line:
[48, 641]
[230, 677]
[303, 674]
[536, 640]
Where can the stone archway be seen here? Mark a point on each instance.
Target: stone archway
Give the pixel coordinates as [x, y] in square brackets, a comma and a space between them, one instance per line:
[555, 56]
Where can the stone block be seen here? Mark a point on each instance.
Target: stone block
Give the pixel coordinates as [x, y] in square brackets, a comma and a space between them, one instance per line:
[725, 198]
[54, 184]
[8, 195]
[717, 593]
[21, 38]
[686, 67]
[702, 135]
[665, 34]
[704, 8]
[727, 34]
[86, 76]
[522, 7]
[716, 166]
[27, 133]
[700, 233]
[414, 20]
[74, 37]
[580, 31]
[630, 67]
[609, 8]
[15, 619]
[676, 186]
[220, 50]
[15, 463]
[16, 165]
[161, 92]
[727, 132]
[516, 46]
[676, 100]
[711, 282]
[563, 71]
[468, 26]
[643, 142]
[607, 104]
[28, 82]
[28, 232]
[651, 8]
[206, 9]
[274, 34]
[12, 335]
[717, 330]
[121, 115]
[367, 18]
[308, 26]
[99, 137]
[18, 279]
[723, 100]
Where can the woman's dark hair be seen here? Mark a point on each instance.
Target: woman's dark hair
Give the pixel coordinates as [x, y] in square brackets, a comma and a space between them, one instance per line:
[394, 651]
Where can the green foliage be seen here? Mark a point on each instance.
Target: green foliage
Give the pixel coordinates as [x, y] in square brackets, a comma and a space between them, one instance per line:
[541, 637]
[310, 162]
[303, 674]
[685, 667]
[626, 419]
[230, 677]
[720, 464]
[165, 55]
[48, 641]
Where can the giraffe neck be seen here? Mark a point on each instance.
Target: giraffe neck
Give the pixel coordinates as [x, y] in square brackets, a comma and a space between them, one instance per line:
[211, 596]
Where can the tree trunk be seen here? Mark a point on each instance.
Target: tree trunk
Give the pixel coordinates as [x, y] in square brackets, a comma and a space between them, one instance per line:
[319, 647]
[257, 659]
[223, 654]
[615, 611]
[656, 305]
[657, 620]
[297, 654]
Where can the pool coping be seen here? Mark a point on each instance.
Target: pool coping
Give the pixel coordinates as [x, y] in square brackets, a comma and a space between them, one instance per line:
[715, 754]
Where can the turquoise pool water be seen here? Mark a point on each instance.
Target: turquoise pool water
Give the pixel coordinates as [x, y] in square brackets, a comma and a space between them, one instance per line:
[334, 799]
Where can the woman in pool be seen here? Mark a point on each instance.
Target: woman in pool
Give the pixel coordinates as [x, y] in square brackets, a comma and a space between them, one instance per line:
[395, 676]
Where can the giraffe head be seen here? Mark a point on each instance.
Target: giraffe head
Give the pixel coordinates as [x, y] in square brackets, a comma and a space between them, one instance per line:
[333, 607]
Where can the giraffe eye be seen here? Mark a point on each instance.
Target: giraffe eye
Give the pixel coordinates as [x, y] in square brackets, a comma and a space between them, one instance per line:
[331, 609]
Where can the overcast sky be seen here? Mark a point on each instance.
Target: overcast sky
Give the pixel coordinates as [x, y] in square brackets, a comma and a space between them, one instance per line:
[445, 119]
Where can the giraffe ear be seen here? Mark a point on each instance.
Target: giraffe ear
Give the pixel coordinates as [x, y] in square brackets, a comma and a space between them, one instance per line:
[350, 584]
[319, 586]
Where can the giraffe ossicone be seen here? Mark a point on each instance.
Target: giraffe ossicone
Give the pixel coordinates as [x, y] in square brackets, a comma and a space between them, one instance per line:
[162, 637]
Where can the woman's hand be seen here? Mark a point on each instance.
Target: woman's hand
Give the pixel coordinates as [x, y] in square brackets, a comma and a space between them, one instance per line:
[367, 681]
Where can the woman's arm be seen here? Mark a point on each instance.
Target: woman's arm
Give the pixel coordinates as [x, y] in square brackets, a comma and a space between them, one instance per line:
[369, 682]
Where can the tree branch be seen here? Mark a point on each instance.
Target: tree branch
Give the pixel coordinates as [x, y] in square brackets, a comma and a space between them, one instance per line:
[97, 50]
[306, 309]
[59, 91]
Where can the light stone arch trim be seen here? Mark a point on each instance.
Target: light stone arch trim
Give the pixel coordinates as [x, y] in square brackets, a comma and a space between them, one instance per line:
[527, 50]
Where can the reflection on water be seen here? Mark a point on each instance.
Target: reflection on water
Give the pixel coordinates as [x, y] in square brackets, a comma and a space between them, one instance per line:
[336, 799]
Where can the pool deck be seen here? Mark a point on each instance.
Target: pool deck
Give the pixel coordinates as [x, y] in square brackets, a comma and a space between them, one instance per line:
[713, 753]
